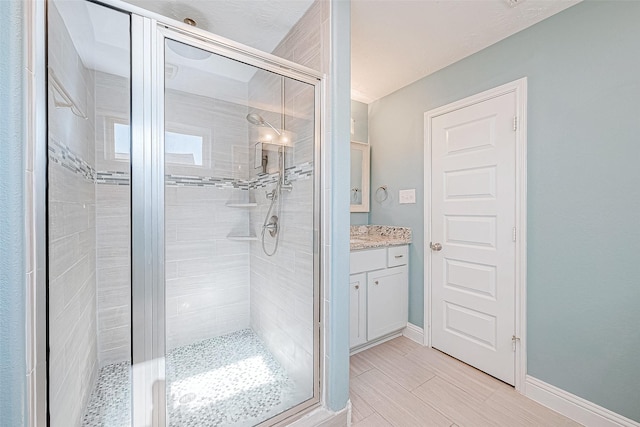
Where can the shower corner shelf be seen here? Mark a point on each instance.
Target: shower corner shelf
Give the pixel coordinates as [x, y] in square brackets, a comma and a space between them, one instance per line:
[241, 204]
[242, 238]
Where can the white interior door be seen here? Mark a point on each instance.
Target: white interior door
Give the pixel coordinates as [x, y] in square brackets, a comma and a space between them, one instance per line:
[473, 195]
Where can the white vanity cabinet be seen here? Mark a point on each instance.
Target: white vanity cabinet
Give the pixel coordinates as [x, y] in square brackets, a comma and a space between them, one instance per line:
[357, 309]
[378, 293]
[386, 301]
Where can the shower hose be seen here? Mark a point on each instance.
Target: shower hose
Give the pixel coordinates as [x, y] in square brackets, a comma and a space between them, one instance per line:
[275, 197]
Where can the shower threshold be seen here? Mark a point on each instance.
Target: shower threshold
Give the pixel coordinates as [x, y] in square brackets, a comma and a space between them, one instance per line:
[231, 380]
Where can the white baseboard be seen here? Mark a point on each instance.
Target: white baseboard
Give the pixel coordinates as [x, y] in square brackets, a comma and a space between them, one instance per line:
[414, 333]
[574, 407]
[322, 417]
[373, 343]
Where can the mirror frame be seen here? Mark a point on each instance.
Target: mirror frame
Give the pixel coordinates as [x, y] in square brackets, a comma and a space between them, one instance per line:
[366, 156]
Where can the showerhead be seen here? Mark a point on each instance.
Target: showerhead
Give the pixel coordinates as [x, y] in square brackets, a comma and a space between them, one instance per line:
[258, 120]
[255, 119]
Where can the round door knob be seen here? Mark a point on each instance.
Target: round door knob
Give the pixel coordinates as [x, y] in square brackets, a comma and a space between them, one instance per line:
[435, 247]
[357, 286]
[376, 282]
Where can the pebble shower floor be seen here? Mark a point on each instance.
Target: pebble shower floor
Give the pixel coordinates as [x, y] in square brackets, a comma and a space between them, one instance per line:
[230, 380]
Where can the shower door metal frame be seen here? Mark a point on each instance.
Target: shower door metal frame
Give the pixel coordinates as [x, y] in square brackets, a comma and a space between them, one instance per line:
[147, 230]
[148, 33]
[147, 198]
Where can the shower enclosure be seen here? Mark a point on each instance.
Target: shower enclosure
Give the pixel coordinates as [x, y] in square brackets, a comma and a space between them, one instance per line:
[183, 224]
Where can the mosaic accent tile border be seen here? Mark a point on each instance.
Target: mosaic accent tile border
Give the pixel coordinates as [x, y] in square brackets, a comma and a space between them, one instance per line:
[294, 173]
[206, 181]
[113, 178]
[62, 155]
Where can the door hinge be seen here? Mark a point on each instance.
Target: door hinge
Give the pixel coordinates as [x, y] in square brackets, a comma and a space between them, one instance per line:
[515, 123]
[514, 339]
[513, 234]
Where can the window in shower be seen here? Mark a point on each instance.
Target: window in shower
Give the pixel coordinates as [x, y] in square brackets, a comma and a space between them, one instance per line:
[121, 141]
[181, 148]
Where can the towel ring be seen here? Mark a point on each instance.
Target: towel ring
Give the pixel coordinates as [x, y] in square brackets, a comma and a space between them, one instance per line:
[382, 194]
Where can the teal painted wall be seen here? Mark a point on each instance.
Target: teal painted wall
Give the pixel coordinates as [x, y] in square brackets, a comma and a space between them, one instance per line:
[360, 113]
[396, 138]
[12, 245]
[338, 248]
[583, 69]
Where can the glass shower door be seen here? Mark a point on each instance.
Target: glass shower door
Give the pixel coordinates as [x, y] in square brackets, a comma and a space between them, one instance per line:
[183, 213]
[89, 207]
[240, 215]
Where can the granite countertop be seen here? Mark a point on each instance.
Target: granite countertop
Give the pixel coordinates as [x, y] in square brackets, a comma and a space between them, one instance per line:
[378, 236]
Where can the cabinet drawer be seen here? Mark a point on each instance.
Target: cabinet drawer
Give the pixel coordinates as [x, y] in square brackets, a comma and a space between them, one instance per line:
[368, 260]
[398, 255]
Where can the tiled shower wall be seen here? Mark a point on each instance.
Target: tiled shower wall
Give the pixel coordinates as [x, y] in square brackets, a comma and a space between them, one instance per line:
[207, 290]
[72, 241]
[207, 274]
[113, 225]
[282, 285]
[207, 286]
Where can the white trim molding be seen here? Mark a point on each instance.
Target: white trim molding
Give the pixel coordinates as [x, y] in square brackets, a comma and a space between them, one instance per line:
[376, 342]
[519, 87]
[35, 113]
[574, 407]
[323, 417]
[414, 333]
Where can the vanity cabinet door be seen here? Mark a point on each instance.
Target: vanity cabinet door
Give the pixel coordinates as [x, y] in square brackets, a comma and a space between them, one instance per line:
[387, 305]
[357, 309]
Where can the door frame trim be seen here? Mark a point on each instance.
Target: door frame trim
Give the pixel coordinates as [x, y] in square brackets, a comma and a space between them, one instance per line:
[519, 87]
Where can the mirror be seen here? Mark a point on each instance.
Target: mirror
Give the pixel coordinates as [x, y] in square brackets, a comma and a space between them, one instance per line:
[359, 189]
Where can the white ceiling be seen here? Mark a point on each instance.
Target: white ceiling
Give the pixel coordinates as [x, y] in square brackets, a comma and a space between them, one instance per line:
[101, 37]
[396, 42]
[261, 24]
[99, 34]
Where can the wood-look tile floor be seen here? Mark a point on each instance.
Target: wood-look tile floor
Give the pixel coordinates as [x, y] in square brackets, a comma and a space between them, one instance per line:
[401, 383]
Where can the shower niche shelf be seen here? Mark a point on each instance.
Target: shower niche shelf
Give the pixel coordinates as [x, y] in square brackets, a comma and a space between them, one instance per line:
[242, 238]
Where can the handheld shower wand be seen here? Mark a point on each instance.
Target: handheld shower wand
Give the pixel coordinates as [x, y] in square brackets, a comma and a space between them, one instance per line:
[258, 120]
